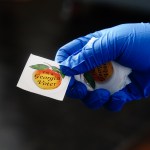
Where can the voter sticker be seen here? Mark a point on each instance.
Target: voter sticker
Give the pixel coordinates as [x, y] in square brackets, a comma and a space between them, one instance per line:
[111, 76]
[43, 76]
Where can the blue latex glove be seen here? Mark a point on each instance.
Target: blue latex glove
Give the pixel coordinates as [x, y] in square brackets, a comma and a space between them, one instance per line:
[127, 44]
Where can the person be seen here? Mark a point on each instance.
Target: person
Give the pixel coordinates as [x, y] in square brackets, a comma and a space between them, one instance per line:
[128, 44]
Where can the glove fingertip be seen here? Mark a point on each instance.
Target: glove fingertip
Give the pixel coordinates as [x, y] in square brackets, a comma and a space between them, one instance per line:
[96, 99]
[116, 102]
[77, 91]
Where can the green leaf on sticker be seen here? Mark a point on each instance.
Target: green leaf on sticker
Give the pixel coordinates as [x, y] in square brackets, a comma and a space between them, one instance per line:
[39, 67]
[89, 80]
[58, 70]
[55, 69]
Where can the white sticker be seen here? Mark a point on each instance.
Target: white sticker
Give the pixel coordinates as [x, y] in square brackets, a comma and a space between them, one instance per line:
[43, 76]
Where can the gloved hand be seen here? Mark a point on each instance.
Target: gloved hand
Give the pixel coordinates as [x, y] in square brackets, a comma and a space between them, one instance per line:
[127, 44]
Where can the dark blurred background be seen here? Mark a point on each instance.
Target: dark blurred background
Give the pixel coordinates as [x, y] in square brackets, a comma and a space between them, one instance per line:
[32, 122]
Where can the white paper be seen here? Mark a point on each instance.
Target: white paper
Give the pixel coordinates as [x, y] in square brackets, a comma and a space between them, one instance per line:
[27, 82]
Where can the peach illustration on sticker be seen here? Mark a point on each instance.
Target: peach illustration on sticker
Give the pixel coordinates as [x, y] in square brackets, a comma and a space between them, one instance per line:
[47, 77]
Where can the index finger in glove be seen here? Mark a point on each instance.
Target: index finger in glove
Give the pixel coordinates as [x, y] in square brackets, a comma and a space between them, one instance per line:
[72, 47]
